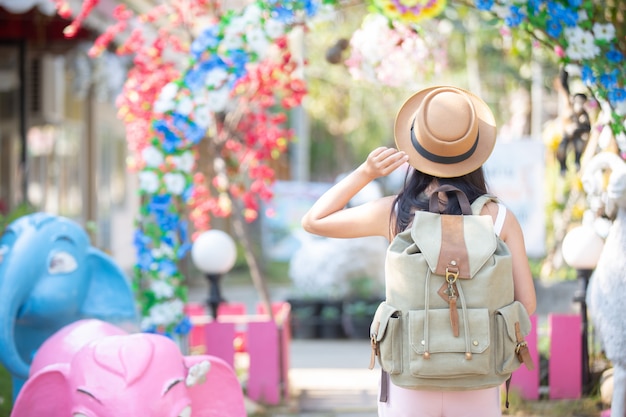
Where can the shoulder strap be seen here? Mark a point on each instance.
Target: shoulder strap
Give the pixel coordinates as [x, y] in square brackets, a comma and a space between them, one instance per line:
[480, 202]
[497, 227]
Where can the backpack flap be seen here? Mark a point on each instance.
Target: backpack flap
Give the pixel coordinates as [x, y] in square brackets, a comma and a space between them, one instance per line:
[467, 241]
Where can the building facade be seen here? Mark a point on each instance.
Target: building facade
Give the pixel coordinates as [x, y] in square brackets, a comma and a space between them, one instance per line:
[62, 147]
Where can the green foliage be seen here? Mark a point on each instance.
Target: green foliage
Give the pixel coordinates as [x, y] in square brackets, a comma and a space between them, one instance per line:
[21, 210]
[6, 393]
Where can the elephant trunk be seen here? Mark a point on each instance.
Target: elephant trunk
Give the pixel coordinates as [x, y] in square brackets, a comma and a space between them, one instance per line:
[9, 353]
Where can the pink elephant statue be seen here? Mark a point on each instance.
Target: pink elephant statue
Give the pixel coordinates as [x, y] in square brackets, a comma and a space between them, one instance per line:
[91, 368]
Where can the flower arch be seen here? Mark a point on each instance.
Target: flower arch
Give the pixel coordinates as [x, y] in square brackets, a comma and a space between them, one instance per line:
[236, 83]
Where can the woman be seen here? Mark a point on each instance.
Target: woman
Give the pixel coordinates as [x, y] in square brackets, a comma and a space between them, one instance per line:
[446, 134]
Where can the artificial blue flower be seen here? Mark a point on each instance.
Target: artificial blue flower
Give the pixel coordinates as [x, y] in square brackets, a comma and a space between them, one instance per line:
[187, 193]
[553, 28]
[208, 39]
[575, 4]
[184, 327]
[183, 250]
[515, 17]
[616, 95]
[484, 4]
[283, 14]
[587, 75]
[188, 129]
[168, 267]
[609, 80]
[167, 222]
[195, 78]
[213, 62]
[238, 60]
[614, 55]
[145, 261]
[310, 8]
[151, 329]
[170, 139]
[140, 239]
[534, 6]
[566, 16]
[160, 203]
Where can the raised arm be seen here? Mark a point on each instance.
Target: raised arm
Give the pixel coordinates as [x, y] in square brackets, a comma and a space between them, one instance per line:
[329, 215]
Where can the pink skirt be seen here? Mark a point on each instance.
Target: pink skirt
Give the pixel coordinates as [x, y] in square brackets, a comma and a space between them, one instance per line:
[402, 402]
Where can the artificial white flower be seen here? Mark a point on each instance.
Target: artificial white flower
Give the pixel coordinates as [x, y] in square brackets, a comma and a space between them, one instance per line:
[216, 77]
[184, 162]
[161, 289]
[217, 99]
[146, 323]
[185, 106]
[197, 373]
[174, 182]
[605, 32]
[236, 26]
[257, 40]
[165, 101]
[166, 313]
[148, 181]
[156, 253]
[620, 107]
[203, 116]
[581, 44]
[252, 14]
[274, 28]
[233, 38]
[152, 156]
[582, 15]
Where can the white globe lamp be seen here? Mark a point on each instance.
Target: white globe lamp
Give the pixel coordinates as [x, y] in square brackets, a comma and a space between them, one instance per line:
[214, 253]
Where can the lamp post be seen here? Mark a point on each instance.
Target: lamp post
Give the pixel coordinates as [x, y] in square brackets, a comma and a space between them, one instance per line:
[581, 249]
[214, 254]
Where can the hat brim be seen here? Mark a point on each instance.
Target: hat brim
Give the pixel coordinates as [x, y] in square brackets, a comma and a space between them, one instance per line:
[486, 130]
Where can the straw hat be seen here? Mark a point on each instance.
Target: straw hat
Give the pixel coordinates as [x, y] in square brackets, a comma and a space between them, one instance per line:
[446, 131]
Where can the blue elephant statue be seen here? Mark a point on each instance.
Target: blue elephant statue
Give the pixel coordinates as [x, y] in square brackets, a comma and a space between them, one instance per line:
[51, 276]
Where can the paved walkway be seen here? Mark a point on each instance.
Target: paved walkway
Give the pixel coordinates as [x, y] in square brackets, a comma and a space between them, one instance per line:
[330, 378]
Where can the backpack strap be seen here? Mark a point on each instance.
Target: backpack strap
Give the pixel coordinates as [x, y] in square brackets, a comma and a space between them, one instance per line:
[497, 227]
[480, 202]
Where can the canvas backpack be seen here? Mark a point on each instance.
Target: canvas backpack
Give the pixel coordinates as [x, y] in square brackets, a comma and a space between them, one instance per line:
[449, 320]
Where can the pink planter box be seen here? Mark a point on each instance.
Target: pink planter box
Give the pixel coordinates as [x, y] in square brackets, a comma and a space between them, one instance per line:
[266, 342]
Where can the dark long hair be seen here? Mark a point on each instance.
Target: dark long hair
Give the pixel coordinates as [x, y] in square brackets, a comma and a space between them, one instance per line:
[413, 196]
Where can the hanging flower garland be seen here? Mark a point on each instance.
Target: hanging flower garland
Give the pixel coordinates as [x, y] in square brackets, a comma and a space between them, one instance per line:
[169, 110]
[393, 54]
[582, 40]
[185, 109]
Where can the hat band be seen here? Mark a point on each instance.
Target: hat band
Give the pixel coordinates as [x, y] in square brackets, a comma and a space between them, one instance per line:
[438, 158]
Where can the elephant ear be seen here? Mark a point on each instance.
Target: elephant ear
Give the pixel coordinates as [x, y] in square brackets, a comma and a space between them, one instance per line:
[220, 395]
[46, 393]
[110, 296]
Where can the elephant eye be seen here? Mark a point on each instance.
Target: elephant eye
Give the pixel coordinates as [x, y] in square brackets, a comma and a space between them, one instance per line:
[186, 412]
[79, 415]
[61, 263]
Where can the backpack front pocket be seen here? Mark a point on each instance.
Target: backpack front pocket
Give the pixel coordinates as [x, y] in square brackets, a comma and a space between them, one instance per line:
[437, 353]
[386, 334]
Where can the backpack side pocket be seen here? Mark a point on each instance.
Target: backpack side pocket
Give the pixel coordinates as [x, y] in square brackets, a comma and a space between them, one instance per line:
[386, 338]
[506, 341]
